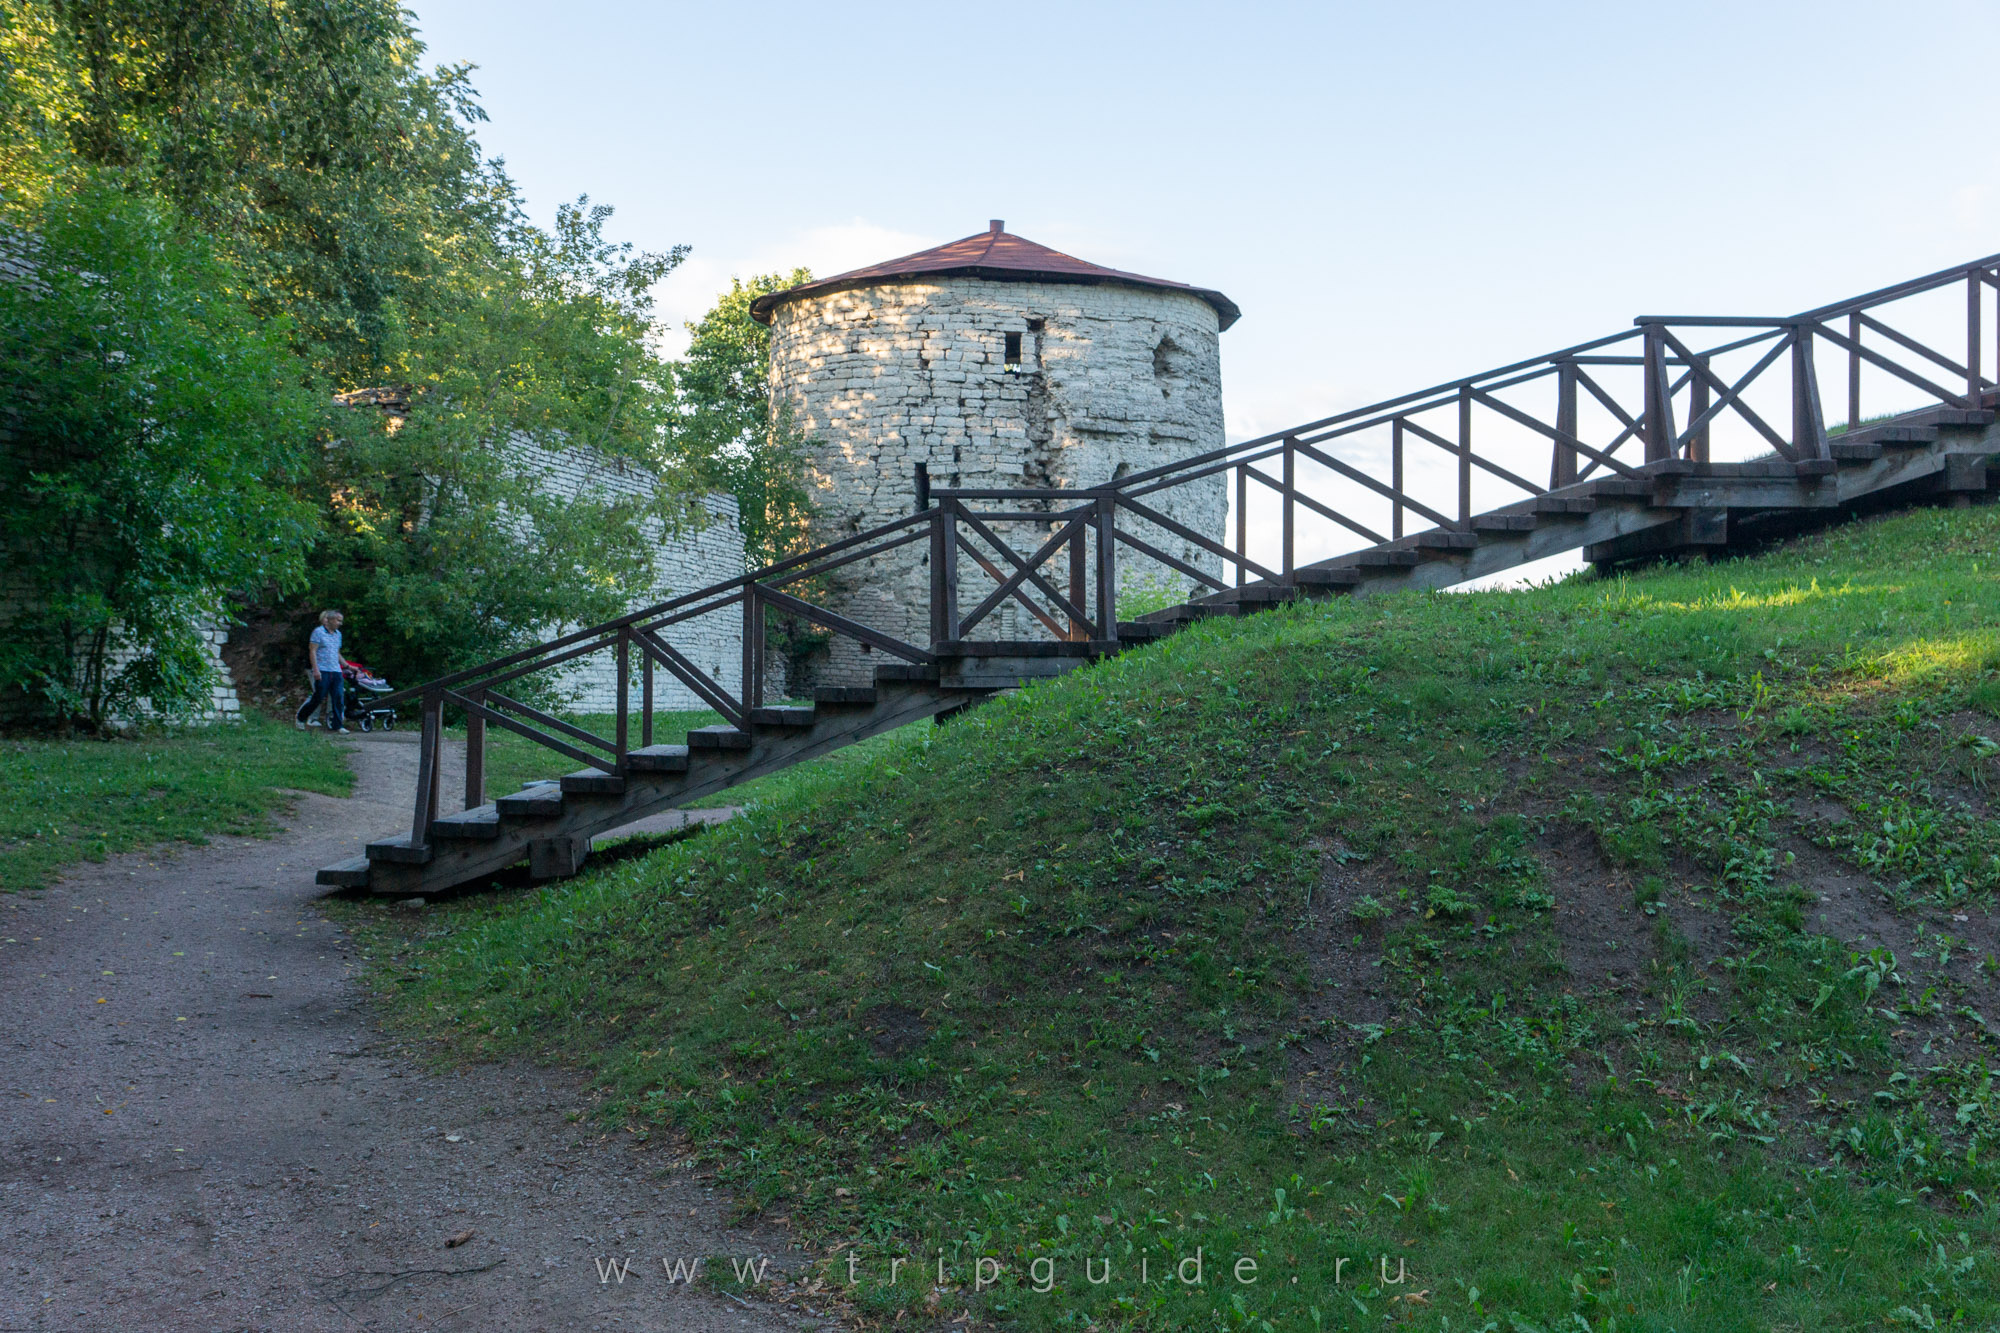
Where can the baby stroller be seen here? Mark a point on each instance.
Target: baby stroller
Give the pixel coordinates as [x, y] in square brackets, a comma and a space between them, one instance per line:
[363, 685]
[360, 683]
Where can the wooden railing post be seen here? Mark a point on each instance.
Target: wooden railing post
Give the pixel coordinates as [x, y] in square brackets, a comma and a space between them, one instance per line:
[1974, 391]
[1659, 397]
[1987, 278]
[1107, 566]
[1290, 522]
[475, 756]
[1808, 421]
[646, 700]
[1854, 371]
[624, 671]
[1697, 447]
[941, 555]
[1562, 469]
[1242, 520]
[1396, 477]
[1465, 457]
[944, 572]
[429, 745]
[753, 651]
[1079, 586]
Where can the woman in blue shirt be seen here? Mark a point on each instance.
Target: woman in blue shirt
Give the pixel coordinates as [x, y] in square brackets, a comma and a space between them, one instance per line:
[323, 660]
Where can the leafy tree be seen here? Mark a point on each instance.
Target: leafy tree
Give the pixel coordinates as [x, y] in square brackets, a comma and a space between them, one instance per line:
[726, 429]
[342, 185]
[447, 546]
[152, 426]
[42, 90]
[334, 174]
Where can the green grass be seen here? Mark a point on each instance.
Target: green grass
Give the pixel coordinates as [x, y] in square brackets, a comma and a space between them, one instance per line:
[83, 800]
[1286, 940]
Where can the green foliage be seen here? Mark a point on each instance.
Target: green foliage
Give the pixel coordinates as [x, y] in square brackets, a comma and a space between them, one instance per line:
[152, 428]
[446, 546]
[83, 800]
[42, 91]
[1368, 908]
[334, 174]
[726, 431]
[342, 185]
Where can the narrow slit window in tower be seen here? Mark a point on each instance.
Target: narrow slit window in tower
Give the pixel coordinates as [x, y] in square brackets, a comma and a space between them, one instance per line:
[1012, 358]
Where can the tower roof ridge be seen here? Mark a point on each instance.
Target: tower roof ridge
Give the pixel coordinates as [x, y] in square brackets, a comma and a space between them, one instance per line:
[996, 254]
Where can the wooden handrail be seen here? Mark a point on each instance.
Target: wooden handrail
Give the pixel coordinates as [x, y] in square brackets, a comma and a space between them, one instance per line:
[1677, 373]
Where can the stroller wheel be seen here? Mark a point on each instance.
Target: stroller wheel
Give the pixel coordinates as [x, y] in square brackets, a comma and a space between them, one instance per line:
[388, 724]
[367, 723]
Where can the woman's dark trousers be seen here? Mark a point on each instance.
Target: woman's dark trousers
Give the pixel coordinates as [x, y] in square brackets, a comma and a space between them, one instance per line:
[329, 689]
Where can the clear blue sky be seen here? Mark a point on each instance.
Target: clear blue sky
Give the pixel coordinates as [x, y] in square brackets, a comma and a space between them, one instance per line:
[1395, 194]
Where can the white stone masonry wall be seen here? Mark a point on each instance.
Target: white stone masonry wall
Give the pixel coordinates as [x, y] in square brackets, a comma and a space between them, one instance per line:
[1112, 379]
[682, 562]
[223, 705]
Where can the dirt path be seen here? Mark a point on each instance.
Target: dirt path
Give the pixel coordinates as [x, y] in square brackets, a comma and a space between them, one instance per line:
[201, 1128]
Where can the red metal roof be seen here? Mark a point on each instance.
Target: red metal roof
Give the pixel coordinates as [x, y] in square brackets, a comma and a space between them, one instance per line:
[995, 253]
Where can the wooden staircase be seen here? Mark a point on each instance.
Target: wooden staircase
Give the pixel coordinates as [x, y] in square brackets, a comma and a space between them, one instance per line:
[1680, 507]
[1672, 501]
[550, 824]
[1675, 507]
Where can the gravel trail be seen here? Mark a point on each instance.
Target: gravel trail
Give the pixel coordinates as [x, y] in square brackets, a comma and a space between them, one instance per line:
[201, 1126]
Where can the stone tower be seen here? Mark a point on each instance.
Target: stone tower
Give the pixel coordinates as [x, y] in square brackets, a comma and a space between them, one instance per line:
[995, 362]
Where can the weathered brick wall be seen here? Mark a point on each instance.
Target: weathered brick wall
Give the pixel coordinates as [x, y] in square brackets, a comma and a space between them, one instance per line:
[682, 562]
[1112, 379]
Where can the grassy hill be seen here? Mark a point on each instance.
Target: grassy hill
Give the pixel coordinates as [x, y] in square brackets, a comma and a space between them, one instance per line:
[1617, 954]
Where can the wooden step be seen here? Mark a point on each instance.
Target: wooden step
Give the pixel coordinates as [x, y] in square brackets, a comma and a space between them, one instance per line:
[1186, 613]
[1854, 451]
[479, 823]
[658, 759]
[400, 851]
[592, 782]
[1384, 558]
[542, 800]
[1621, 488]
[1504, 523]
[907, 673]
[797, 719]
[719, 737]
[1894, 434]
[349, 874]
[1327, 576]
[844, 696]
[1565, 504]
[1816, 467]
[1265, 594]
[1947, 416]
[1443, 539]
